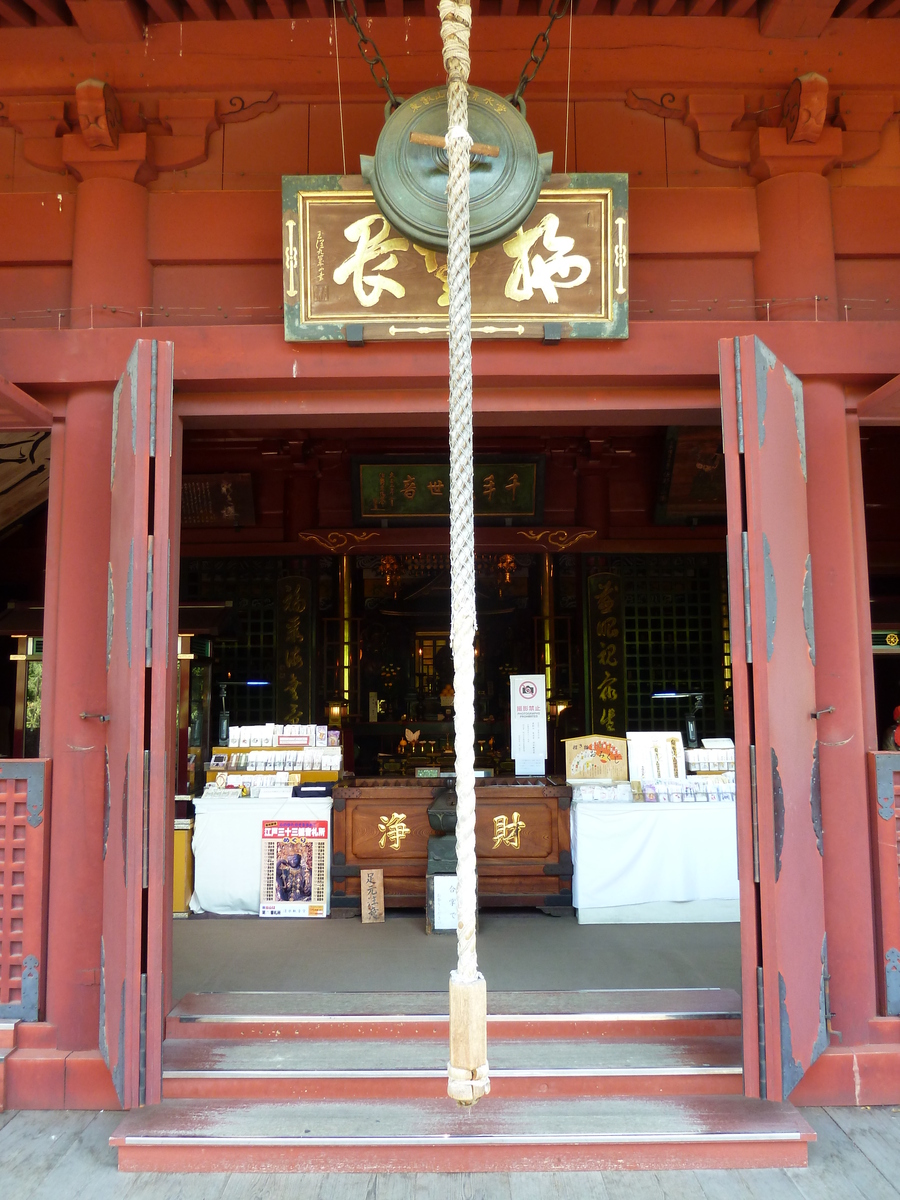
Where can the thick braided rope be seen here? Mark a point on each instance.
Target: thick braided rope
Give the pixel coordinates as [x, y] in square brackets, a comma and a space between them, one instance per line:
[467, 1080]
[455, 23]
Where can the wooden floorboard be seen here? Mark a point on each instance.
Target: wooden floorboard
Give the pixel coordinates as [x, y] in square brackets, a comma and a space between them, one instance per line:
[65, 1156]
[876, 1133]
[840, 1167]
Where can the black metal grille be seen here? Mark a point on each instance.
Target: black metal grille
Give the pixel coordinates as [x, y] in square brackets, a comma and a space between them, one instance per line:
[674, 640]
[246, 650]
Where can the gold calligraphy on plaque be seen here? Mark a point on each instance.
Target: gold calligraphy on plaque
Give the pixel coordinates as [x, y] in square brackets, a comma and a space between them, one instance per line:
[507, 831]
[533, 272]
[370, 246]
[393, 830]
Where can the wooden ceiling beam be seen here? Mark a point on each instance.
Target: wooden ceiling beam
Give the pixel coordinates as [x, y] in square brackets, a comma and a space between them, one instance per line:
[16, 13]
[108, 20]
[280, 9]
[852, 8]
[18, 410]
[204, 10]
[885, 8]
[883, 405]
[244, 10]
[53, 12]
[166, 10]
[795, 18]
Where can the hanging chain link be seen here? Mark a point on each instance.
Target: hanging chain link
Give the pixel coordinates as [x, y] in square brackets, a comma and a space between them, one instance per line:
[538, 52]
[369, 51]
[381, 75]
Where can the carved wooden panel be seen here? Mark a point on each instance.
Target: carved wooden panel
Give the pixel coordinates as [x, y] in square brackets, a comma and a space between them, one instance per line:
[24, 853]
[521, 830]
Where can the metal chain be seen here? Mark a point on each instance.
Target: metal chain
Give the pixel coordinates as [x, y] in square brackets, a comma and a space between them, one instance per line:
[369, 51]
[538, 52]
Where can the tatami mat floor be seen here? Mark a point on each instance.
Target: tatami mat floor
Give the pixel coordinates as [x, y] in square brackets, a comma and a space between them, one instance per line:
[522, 950]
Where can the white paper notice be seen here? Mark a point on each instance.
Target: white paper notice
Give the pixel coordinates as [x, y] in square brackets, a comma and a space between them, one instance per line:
[445, 913]
[528, 723]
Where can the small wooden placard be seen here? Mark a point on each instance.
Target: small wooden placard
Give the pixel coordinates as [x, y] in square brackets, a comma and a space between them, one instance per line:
[371, 882]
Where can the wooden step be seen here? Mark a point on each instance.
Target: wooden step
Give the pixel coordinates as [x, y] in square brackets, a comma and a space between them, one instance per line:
[363, 1069]
[689, 1012]
[435, 1135]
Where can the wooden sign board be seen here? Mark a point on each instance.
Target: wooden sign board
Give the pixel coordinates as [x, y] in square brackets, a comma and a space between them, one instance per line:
[692, 488]
[404, 491]
[371, 892]
[348, 276]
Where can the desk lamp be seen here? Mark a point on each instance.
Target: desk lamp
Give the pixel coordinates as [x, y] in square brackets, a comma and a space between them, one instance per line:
[691, 718]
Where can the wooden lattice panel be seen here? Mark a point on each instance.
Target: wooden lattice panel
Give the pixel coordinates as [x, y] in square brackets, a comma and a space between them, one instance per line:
[23, 878]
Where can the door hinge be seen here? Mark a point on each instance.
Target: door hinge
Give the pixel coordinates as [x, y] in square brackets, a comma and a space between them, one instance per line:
[745, 571]
[145, 833]
[761, 1030]
[739, 394]
[754, 813]
[142, 1051]
[148, 656]
[154, 376]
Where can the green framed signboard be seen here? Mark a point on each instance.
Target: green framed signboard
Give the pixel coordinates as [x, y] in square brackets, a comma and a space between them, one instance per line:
[404, 491]
[349, 276]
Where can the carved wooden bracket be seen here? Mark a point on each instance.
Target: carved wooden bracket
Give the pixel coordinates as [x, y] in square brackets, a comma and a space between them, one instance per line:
[862, 116]
[789, 134]
[42, 124]
[714, 119]
[99, 114]
[116, 139]
[803, 112]
[772, 154]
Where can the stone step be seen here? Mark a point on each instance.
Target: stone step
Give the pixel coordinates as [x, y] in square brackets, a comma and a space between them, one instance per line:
[689, 1012]
[368, 1068]
[434, 1135]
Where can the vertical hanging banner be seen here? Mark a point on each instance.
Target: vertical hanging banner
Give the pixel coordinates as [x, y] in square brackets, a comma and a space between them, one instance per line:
[528, 723]
[606, 653]
[349, 275]
[294, 651]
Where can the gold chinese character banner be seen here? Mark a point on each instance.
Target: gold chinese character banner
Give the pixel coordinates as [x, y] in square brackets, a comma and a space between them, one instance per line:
[604, 616]
[349, 275]
[294, 652]
[403, 490]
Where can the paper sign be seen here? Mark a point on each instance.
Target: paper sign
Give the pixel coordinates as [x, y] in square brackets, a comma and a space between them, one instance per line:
[528, 723]
[445, 911]
[371, 884]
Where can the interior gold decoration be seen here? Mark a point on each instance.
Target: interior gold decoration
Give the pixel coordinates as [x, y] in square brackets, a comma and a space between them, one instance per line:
[393, 830]
[558, 539]
[389, 567]
[508, 830]
[337, 540]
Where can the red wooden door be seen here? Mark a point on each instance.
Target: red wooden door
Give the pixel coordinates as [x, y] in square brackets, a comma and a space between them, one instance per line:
[773, 663]
[136, 791]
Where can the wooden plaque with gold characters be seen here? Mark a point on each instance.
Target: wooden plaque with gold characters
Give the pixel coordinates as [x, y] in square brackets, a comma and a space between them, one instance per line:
[348, 276]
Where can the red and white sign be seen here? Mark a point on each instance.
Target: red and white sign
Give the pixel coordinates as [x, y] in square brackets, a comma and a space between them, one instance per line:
[528, 723]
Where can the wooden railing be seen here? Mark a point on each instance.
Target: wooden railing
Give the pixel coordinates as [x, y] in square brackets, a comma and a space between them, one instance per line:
[24, 860]
[884, 793]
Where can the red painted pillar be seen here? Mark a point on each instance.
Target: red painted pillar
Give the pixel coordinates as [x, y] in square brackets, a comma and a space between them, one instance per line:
[111, 281]
[794, 265]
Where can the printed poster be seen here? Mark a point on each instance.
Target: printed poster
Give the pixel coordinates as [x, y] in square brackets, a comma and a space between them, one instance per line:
[294, 873]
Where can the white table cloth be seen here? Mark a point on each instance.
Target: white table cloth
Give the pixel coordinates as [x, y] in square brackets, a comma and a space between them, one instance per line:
[228, 849]
[654, 862]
